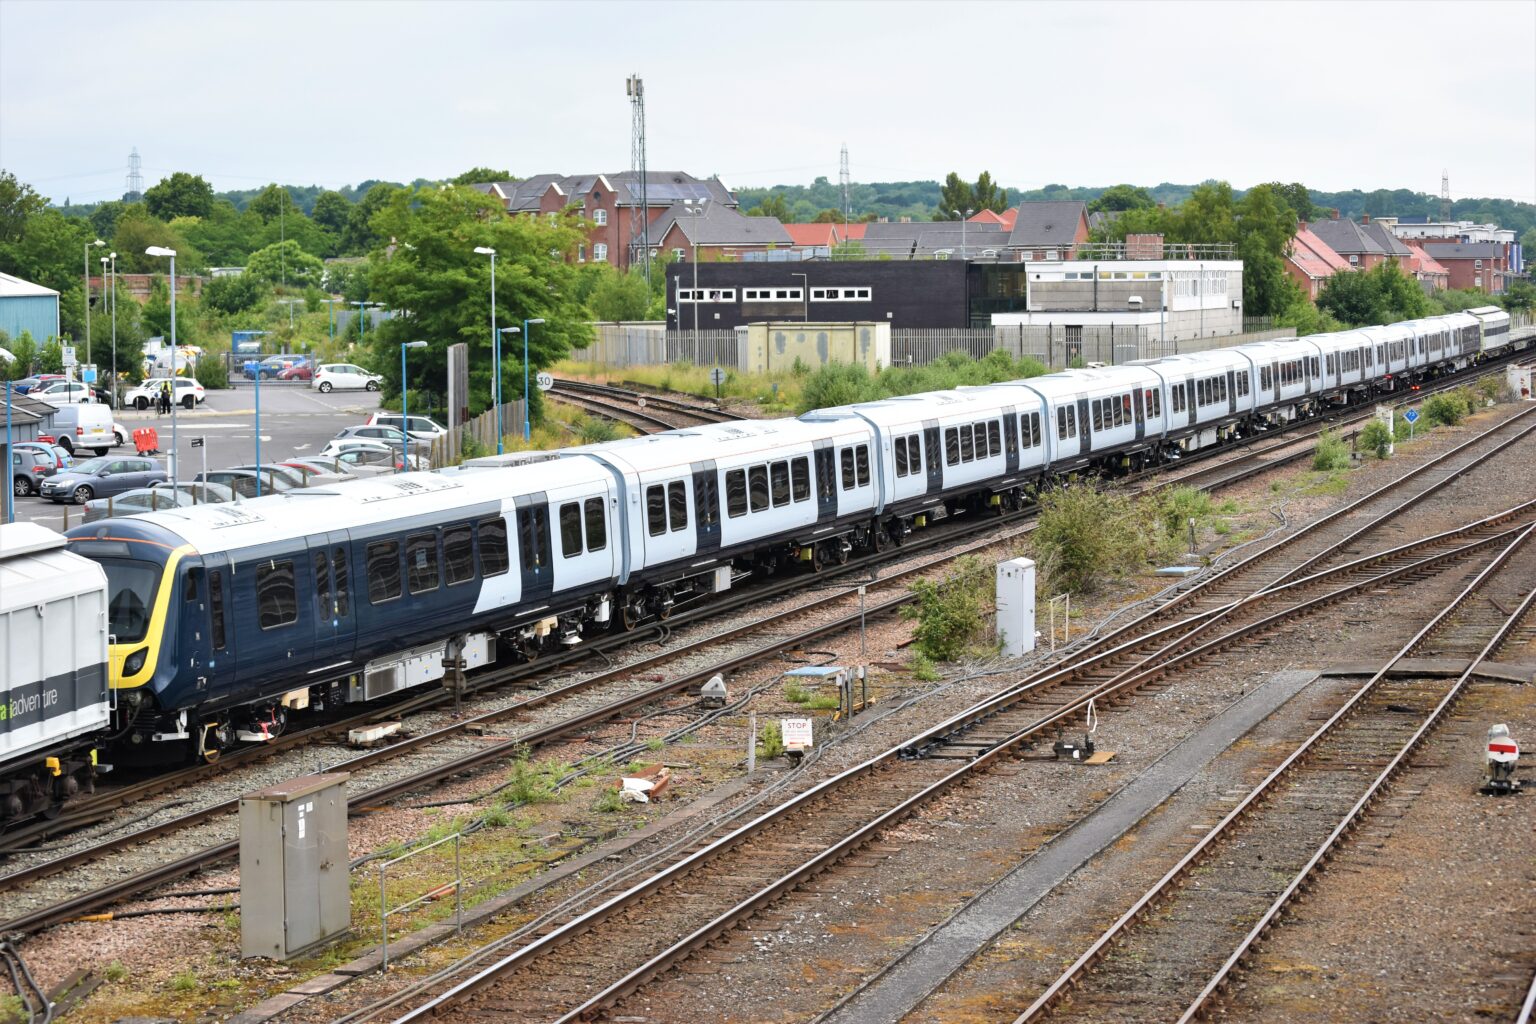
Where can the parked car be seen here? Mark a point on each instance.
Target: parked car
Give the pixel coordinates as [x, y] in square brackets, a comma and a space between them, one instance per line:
[270, 367]
[100, 478]
[243, 481]
[382, 434]
[188, 393]
[298, 371]
[63, 392]
[26, 384]
[331, 464]
[424, 427]
[61, 455]
[121, 433]
[343, 376]
[317, 476]
[140, 499]
[83, 425]
[203, 492]
[29, 468]
[293, 476]
[339, 446]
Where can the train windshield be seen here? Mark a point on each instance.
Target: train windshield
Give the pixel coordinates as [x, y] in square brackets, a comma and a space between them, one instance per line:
[131, 586]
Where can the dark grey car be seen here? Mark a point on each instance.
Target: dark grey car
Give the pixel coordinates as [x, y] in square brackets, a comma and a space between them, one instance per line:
[101, 477]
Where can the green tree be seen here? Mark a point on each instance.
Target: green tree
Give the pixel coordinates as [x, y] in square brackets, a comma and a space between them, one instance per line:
[24, 348]
[1521, 295]
[771, 205]
[180, 195]
[331, 212]
[51, 358]
[1381, 295]
[1122, 197]
[1296, 196]
[1265, 226]
[987, 195]
[481, 176]
[828, 217]
[440, 289]
[285, 262]
[359, 238]
[617, 296]
[18, 205]
[955, 197]
[235, 293]
[225, 237]
[137, 230]
[274, 202]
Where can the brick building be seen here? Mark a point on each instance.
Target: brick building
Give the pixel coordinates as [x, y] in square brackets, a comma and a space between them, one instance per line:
[1480, 265]
[1310, 262]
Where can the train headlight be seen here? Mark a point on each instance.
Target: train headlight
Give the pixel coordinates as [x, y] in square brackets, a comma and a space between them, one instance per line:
[135, 663]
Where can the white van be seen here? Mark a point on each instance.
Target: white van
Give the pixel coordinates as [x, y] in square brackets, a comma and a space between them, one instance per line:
[84, 425]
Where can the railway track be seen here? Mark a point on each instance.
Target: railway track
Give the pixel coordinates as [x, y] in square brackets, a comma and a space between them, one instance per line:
[647, 413]
[1173, 952]
[702, 892]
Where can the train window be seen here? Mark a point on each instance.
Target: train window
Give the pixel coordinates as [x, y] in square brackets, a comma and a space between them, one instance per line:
[190, 588]
[951, 447]
[914, 455]
[677, 505]
[216, 608]
[1117, 413]
[995, 437]
[736, 492]
[757, 487]
[421, 562]
[845, 460]
[322, 584]
[800, 474]
[778, 478]
[1061, 422]
[570, 529]
[493, 547]
[901, 456]
[459, 554]
[532, 534]
[277, 600]
[967, 450]
[863, 463]
[597, 524]
[383, 571]
[1072, 421]
[656, 509]
[1026, 437]
[1098, 416]
[339, 582]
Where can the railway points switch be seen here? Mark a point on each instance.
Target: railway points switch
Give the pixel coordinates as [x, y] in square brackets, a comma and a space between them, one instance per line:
[294, 893]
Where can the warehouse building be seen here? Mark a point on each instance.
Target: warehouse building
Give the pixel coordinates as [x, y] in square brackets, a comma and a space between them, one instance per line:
[25, 306]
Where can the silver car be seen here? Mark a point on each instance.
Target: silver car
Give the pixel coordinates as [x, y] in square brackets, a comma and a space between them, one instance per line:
[131, 503]
[104, 476]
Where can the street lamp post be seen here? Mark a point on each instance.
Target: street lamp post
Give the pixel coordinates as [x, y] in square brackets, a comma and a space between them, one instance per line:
[331, 305]
[527, 404]
[362, 320]
[497, 384]
[10, 483]
[405, 407]
[485, 250]
[695, 210]
[87, 263]
[160, 250]
[113, 257]
[965, 218]
[106, 307]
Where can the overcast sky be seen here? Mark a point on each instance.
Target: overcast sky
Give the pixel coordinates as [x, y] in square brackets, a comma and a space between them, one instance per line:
[1337, 95]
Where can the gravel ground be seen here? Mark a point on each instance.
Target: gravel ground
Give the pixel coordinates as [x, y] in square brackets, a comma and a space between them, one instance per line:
[1038, 806]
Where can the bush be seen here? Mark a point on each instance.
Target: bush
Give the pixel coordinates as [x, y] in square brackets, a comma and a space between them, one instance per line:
[1331, 453]
[837, 384]
[951, 614]
[1178, 505]
[1085, 535]
[770, 741]
[1448, 408]
[924, 670]
[212, 372]
[1376, 438]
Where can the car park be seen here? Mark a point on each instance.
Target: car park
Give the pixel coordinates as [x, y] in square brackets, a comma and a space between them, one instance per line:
[342, 377]
[188, 393]
[61, 456]
[423, 427]
[332, 464]
[295, 477]
[140, 499]
[101, 477]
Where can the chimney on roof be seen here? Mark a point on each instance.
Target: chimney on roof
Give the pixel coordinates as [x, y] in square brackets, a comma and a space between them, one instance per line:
[1365, 218]
[1301, 225]
[1334, 213]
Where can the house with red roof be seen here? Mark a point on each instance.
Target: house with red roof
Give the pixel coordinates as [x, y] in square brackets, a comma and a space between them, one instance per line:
[1310, 261]
[1431, 274]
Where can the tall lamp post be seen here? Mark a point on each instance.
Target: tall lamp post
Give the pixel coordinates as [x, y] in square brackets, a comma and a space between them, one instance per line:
[106, 305]
[527, 404]
[485, 250]
[964, 218]
[160, 250]
[405, 406]
[696, 210]
[113, 258]
[497, 385]
[331, 305]
[10, 484]
[87, 263]
[362, 320]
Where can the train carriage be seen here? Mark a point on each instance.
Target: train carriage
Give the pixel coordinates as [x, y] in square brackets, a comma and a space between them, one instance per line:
[1282, 383]
[1209, 394]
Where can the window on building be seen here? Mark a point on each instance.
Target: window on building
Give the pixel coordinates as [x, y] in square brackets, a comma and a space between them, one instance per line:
[600, 253]
[1477, 264]
[494, 559]
[678, 254]
[600, 217]
[597, 524]
[421, 562]
[581, 253]
[800, 473]
[277, 599]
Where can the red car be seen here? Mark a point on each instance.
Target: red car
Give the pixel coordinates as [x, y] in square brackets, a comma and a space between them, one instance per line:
[298, 371]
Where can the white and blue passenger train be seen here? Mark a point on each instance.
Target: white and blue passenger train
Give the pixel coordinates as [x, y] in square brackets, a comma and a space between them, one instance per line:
[227, 618]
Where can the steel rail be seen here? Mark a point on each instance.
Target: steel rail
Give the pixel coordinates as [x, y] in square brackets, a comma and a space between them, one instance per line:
[660, 401]
[641, 421]
[1073, 974]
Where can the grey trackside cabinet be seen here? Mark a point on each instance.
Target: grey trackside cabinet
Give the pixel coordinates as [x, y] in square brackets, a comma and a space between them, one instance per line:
[293, 866]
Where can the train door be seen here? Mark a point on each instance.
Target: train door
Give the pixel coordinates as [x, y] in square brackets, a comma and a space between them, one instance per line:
[1231, 392]
[331, 600]
[826, 482]
[933, 457]
[1010, 440]
[1192, 395]
[1139, 413]
[192, 630]
[533, 547]
[706, 507]
[222, 665]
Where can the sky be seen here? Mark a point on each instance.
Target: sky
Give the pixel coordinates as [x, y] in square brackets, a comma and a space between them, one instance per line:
[1336, 95]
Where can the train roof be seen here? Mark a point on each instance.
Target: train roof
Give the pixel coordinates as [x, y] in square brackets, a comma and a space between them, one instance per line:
[682, 447]
[309, 510]
[35, 568]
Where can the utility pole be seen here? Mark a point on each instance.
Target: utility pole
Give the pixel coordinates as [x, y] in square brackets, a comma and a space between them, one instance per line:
[1445, 195]
[634, 88]
[844, 180]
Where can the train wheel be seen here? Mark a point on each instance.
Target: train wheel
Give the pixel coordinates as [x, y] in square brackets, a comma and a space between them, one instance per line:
[841, 553]
[879, 538]
[211, 756]
[663, 604]
[630, 614]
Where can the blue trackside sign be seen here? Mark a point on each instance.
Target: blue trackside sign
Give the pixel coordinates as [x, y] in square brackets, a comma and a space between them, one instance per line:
[1412, 415]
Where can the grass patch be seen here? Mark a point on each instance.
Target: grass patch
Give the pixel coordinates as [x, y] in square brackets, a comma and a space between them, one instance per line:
[770, 741]
[186, 981]
[952, 614]
[1331, 453]
[115, 971]
[608, 801]
[924, 670]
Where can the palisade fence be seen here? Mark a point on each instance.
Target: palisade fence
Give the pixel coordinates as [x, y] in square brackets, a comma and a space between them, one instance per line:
[448, 450]
[616, 346]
